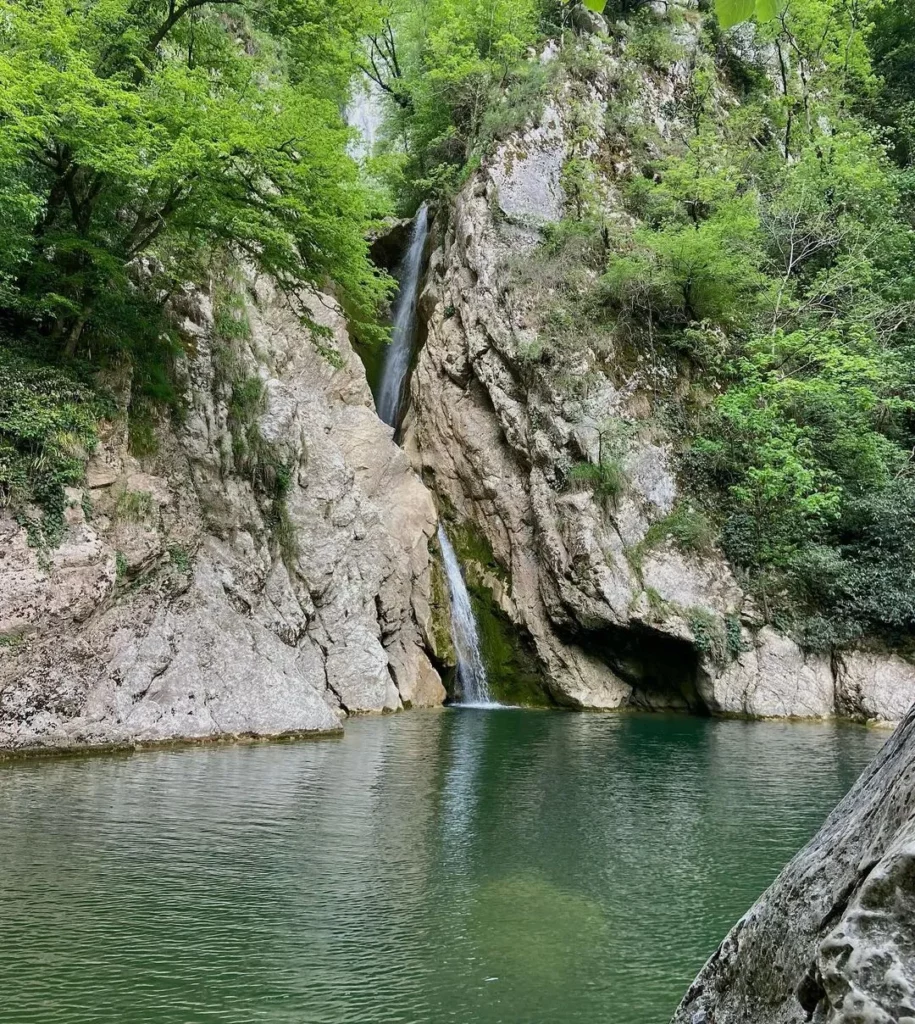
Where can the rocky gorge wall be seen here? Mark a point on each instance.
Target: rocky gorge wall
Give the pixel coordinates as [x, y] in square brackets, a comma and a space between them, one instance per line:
[192, 596]
[614, 612]
[272, 566]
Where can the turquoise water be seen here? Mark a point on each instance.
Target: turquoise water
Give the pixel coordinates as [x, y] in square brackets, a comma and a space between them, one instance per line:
[450, 866]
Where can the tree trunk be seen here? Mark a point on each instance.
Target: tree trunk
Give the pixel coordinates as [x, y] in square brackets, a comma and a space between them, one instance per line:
[76, 331]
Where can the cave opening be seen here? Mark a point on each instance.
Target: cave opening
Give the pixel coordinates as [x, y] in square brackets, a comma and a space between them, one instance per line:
[663, 670]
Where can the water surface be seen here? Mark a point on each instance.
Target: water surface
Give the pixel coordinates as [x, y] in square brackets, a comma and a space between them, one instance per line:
[451, 866]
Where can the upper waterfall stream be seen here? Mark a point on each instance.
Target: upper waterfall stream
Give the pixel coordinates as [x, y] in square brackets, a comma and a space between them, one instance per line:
[397, 357]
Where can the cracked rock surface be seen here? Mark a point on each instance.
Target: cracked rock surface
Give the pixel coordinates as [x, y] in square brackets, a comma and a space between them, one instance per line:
[616, 614]
[833, 939]
[181, 604]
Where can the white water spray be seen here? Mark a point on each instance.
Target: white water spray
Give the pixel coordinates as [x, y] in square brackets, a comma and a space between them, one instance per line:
[397, 357]
[365, 113]
[474, 685]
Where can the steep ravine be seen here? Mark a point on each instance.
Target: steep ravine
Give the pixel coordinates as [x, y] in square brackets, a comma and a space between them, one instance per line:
[269, 564]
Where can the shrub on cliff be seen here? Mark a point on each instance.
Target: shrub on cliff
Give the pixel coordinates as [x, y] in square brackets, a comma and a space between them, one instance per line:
[47, 430]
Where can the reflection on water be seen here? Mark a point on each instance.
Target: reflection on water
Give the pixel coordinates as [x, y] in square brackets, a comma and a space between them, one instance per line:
[474, 867]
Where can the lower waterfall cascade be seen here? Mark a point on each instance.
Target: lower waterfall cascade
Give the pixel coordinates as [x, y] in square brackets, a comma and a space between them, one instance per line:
[471, 672]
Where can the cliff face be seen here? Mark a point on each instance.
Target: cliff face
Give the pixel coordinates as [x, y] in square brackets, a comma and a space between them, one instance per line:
[615, 611]
[831, 941]
[265, 571]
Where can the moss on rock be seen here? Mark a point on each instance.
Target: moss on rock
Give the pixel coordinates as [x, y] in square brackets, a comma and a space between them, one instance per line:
[508, 651]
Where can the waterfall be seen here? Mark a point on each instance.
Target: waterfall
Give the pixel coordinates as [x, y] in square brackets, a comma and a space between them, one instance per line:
[365, 113]
[471, 673]
[397, 357]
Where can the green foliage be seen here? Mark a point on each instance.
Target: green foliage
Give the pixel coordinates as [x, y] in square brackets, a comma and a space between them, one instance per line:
[173, 131]
[861, 577]
[142, 438]
[688, 526]
[732, 12]
[771, 247]
[650, 43]
[133, 506]
[513, 103]
[697, 256]
[559, 276]
[180, 558]
[263, 463]
[230, 320]
[710, 635]
[48, 422]
[771, 251]
[733, 638]
[579, 183]
[892, 44]
[659, 608]
[144, 146]
[282, 526]
[456, 80]
[819, 409]
[690, 273]
[606, 479]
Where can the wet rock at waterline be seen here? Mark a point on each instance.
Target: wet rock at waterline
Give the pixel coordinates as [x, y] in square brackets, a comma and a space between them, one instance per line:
[833, 939]
[190, 597]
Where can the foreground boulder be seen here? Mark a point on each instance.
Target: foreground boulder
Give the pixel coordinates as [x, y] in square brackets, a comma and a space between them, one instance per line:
[833, 939]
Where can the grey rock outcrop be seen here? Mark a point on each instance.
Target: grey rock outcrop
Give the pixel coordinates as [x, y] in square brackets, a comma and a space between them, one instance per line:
[833, 938]
[616, 612]
[186, 601]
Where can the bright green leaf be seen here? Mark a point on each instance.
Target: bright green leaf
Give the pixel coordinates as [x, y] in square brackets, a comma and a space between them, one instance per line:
[595, 5]
[733, 12]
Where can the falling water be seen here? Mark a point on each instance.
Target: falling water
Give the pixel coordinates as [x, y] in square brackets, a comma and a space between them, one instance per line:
[474, 686]
[397, 357]
[365, 113]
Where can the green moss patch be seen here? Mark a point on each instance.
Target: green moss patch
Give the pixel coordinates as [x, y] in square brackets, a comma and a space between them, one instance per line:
[508, 652]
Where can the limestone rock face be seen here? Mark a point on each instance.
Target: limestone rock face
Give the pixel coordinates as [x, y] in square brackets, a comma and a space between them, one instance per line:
[874, 686]
[527, 180]
[617, 613]
[191, 597]
[833, 938]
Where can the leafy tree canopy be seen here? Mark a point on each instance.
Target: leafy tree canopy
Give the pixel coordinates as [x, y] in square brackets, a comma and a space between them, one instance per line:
[175, 130]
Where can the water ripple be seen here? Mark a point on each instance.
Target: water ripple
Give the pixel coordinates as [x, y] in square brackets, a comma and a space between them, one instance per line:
[476, 868]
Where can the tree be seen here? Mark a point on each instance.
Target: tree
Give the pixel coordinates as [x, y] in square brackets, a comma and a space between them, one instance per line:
[444, 65]
[169, 129]
[732, 12]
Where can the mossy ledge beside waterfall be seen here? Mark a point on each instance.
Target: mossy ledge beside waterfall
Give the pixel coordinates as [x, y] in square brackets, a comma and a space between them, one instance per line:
[471, 672]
